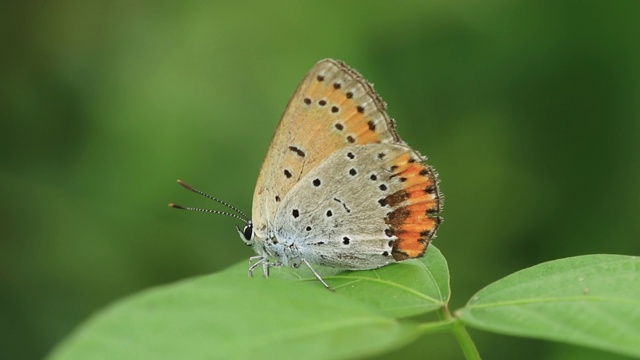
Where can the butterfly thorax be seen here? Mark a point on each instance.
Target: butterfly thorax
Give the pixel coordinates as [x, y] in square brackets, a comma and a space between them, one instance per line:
[283, 252]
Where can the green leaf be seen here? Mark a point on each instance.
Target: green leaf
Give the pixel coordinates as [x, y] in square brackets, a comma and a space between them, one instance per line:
[402, 289]
[228, 315]
[591, 300]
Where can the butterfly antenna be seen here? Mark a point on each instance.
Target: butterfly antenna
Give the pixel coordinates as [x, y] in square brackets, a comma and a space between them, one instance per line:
[176, 206]
[244, 217]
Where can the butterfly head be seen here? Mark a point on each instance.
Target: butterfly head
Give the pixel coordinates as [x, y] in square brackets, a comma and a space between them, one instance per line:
[247, 234]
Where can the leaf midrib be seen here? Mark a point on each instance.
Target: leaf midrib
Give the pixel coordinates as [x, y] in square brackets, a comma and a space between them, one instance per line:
[557, 299]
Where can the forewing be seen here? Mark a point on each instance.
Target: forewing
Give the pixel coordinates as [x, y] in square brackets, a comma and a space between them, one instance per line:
[333, 108]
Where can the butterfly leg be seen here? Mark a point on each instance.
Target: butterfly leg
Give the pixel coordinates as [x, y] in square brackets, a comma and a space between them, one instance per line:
[259, 260]
[316, 274]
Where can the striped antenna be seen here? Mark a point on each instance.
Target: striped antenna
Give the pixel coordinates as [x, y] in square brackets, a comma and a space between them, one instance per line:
[242, 215]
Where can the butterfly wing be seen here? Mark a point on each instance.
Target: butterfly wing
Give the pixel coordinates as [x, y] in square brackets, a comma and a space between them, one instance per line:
[364, 207]
[333, 111]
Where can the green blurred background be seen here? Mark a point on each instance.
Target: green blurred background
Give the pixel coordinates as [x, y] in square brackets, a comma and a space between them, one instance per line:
[530, 111]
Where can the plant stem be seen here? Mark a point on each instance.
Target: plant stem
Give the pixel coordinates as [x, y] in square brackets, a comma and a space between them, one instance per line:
[464, 340]
[459, 331]
[437, 326]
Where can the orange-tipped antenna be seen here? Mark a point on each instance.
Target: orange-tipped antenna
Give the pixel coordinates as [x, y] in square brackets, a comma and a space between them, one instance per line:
[242, 215]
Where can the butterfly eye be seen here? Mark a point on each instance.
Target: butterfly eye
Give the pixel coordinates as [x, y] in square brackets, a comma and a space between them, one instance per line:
[246, 234]
[248, 231]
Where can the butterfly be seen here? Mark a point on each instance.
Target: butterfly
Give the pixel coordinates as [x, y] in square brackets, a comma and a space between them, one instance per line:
[338, 186]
